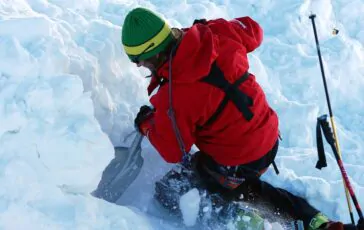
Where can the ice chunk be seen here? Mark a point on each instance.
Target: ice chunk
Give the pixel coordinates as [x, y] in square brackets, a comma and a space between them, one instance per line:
[190, 204]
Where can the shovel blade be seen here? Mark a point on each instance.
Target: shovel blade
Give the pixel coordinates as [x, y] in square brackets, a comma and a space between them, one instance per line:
[120, 173]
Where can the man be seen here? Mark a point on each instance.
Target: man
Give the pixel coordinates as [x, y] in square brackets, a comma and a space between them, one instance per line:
[208, 97]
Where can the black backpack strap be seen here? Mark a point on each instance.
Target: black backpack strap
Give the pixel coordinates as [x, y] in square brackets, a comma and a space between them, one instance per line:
[200, 21]
[217, 112]
[232, 93]
[275, 167]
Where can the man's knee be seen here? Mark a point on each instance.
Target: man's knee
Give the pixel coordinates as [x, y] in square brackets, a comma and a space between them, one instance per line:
[173, 185]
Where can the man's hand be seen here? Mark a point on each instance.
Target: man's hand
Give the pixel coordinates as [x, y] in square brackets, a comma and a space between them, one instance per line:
[143, 120]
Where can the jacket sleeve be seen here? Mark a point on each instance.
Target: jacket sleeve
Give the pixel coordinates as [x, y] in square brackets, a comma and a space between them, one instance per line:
[250, 32]
[161, 135]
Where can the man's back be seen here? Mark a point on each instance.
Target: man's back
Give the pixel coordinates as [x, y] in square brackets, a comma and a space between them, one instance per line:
[230, 139]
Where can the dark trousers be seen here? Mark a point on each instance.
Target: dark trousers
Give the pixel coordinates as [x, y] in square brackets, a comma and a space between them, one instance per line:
[177, 182]
[254, 188]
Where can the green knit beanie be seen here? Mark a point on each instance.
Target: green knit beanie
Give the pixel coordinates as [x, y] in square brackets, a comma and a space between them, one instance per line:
[144, 34]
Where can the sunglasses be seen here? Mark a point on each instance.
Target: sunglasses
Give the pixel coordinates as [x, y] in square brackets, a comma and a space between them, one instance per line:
[136, 58]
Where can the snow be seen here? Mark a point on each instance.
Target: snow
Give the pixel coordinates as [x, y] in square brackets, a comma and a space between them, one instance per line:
[272, 226]
[189, 205]
[68, 93]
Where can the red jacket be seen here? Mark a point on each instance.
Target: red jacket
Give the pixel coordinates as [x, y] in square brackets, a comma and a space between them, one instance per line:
[231, 139]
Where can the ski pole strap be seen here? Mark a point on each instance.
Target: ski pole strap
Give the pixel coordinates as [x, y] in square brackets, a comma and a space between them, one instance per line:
[323, 124]
[321, 163]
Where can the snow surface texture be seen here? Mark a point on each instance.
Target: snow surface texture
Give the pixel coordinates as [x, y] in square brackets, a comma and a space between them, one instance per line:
[68, 93]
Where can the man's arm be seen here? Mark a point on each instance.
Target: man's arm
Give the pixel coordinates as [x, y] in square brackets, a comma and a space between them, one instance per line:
[250, 32]
[159, 130]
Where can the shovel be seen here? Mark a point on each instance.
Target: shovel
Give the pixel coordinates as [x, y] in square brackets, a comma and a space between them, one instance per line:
[121, 171]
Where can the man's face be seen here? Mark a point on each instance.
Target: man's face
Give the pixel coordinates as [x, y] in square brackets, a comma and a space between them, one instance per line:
[146, 64]
[150, 63]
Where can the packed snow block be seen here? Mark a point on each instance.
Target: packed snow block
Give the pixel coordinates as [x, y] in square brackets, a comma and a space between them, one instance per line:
[51, 209]
[190, 206]
[39, 50]
[52, 155]
[111, 11]
[35, 27]
[12, 55]
[100, 40]
[81, 6]
[85, 148]
[44, 7]
[60, 138]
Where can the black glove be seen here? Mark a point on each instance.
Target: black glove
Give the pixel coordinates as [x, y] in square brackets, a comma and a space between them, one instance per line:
[144, 113]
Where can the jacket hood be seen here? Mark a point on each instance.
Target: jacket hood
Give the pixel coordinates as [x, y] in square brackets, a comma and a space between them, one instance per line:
[193, 58]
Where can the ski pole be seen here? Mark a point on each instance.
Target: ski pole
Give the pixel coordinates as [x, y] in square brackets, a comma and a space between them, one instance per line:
[312, 17]
[331, 140]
